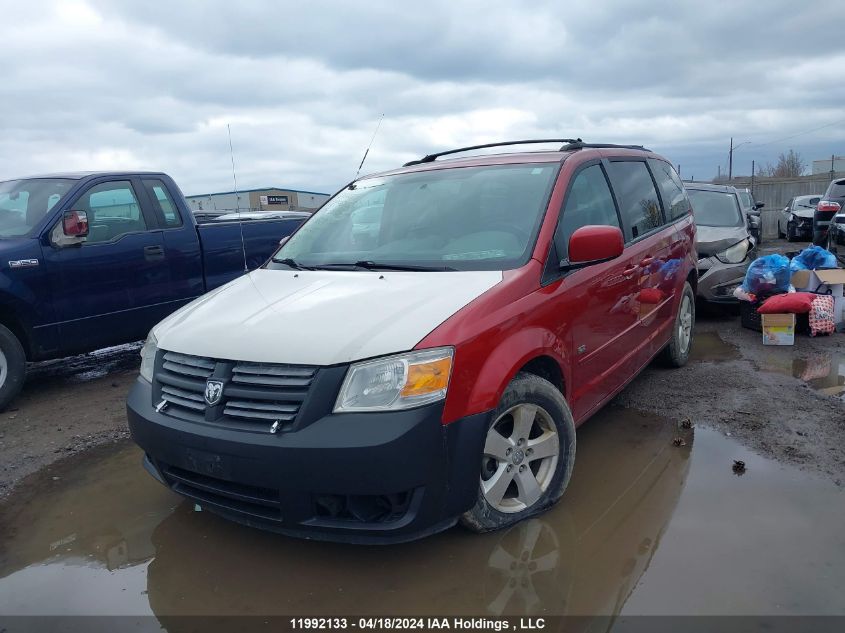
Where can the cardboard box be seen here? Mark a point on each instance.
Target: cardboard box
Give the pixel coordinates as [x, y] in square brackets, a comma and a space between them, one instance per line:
[830, 281]
[778, 329]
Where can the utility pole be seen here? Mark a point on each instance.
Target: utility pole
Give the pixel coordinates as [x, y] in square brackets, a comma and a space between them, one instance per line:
[731, 160]
[752, 177]
[679, 170]
[832, 165]
[719, 174]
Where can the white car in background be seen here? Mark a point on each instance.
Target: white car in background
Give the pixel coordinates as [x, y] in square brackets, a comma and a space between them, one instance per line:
[795, 221]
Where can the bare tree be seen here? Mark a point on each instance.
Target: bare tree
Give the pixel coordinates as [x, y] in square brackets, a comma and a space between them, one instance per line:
[789, 165]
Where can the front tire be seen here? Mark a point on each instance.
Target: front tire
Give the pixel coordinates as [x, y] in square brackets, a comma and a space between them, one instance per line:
[790, 233]
[676, 353]
[12, 366]
[528, 455]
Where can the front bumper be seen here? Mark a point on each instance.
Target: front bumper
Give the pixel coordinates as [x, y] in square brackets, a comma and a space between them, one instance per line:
[801, 227]
[356, 477]
[717, 280]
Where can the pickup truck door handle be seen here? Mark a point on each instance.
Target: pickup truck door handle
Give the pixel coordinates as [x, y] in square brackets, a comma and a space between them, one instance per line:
[153, 253]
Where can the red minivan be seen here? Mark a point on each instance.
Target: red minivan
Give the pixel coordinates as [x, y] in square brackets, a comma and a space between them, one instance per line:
[422, 349]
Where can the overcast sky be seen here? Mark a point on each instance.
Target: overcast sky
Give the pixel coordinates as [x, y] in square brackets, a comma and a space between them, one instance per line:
[115, 84]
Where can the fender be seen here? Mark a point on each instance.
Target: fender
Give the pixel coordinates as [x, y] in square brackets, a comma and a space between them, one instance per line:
[483, 375]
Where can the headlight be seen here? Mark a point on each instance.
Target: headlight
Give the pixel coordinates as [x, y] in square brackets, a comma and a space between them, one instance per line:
[148, 357]
[735, 254]
[396, 382]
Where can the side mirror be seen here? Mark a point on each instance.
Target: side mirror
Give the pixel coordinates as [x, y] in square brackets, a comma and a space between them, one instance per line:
[593, 244]
[759, 205]
[75, 224]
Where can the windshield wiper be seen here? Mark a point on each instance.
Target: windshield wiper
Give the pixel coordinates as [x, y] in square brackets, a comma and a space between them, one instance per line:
[371, 265]
[289, 261]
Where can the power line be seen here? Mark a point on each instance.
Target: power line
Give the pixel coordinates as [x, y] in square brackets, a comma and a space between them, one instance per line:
[786, 138]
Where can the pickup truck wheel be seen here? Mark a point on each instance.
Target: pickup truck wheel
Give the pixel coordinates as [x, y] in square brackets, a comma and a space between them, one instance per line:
[676, 353]
[12, 366]
[528, 455]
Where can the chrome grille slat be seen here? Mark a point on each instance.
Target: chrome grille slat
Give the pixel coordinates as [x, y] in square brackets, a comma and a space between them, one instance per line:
[254, 395]
[275, 370]
[263, 406]
[259, 415]
[187, 369]
[271, 381]
[184, 402]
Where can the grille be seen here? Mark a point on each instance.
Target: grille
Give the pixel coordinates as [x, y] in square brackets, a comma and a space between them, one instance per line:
[255, 395]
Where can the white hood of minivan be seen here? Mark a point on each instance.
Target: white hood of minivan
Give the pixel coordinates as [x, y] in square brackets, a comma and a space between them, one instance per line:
[319, 317]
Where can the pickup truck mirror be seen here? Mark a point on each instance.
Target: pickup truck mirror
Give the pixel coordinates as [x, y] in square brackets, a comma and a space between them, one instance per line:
[71, 231]
[593, 244]
[75, 224]
[759, 205]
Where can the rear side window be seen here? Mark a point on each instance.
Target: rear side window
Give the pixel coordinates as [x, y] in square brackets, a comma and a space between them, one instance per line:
[836, 189]
[588, 201]
[675, 197]
[162, 202]
[638, 200]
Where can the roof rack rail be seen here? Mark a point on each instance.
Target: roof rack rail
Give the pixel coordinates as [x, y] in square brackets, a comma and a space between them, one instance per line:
[579, 144]
[430, 158]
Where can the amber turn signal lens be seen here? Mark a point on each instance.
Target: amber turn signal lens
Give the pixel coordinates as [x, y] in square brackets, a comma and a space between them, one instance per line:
[427, 377]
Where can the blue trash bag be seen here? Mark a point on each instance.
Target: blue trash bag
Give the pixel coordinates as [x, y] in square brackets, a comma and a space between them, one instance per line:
[768, 275]
[812, 258]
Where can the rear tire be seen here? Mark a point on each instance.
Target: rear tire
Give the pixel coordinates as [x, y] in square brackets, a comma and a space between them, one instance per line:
[12, 366]
[528, 456]
[676, 353]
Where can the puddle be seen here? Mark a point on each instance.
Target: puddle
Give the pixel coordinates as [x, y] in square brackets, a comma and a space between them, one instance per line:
[824, 372]
[709, 346]
[646, 527]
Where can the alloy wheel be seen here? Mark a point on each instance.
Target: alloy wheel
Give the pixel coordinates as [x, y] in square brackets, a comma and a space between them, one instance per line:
[685, 324]
[520, 458]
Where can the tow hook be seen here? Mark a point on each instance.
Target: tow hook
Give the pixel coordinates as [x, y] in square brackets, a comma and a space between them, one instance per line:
[274, 427]
[161, 406]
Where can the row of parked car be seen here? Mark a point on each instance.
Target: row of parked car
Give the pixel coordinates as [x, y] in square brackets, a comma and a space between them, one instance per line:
[818, 217]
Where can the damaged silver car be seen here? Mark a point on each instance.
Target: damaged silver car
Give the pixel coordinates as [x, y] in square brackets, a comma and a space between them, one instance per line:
[725, 245]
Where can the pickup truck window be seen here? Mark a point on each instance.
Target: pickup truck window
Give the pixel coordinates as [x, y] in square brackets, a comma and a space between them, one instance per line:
[113, 210]
[474, 218]
[162, 202]
[24, 203]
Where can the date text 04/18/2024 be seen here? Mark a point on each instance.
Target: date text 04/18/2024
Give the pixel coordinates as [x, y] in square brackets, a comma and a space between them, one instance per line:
[423, 624]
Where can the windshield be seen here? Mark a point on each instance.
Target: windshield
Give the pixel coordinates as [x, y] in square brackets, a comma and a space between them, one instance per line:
[715, 208]
[470, 218]
[23, 203]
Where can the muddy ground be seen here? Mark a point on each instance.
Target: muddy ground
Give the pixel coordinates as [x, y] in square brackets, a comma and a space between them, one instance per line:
[781, 401]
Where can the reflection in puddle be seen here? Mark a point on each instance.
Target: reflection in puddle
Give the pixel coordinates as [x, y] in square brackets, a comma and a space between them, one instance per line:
[822, 371]
[640, 515]
[709, 346]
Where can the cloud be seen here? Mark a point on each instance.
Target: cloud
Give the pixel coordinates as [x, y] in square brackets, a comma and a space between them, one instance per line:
[120, 84]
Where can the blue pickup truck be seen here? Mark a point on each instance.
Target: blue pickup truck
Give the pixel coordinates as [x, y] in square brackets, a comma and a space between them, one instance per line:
[96, 259]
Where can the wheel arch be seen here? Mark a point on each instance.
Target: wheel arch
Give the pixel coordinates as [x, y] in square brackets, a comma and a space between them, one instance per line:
[10, 320]
[535, 350]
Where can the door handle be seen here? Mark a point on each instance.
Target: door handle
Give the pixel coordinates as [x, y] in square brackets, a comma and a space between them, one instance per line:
[630, 271]
[648, 261]
[153, 253]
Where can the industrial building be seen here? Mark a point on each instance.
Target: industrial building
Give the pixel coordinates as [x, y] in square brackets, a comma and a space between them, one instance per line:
[264, 199]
